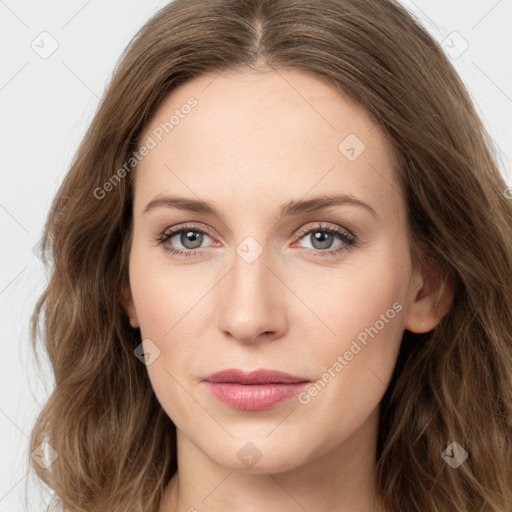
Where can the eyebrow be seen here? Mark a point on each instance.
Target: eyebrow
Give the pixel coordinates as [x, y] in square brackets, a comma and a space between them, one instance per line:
[294, 207]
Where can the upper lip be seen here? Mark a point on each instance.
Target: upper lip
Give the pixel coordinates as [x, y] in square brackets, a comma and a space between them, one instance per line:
[260, 376]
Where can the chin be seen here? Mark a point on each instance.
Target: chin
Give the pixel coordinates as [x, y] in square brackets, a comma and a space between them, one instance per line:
[259, 456]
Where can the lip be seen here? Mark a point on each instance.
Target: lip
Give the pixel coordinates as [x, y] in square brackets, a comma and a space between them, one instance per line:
[253, 390]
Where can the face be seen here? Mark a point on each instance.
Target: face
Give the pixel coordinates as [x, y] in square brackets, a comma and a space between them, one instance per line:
[250, 266]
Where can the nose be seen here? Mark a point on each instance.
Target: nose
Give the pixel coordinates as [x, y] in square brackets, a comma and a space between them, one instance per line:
[252, 302]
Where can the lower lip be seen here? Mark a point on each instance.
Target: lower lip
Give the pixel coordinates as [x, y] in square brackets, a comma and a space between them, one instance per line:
[253, 397]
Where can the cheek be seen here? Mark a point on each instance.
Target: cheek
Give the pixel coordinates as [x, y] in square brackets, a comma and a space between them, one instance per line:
[367, 320]
[165, 294]
[168, 300]
[343, 300]
[364, 306]
[167, 320]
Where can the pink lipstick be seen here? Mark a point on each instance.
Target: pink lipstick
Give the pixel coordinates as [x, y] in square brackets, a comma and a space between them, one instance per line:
[253, 391]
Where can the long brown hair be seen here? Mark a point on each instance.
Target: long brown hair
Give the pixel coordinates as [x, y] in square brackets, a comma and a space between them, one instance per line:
[116, 446]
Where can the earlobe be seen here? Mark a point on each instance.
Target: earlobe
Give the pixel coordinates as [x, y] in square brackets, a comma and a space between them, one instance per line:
[129, 306]
[431, 303]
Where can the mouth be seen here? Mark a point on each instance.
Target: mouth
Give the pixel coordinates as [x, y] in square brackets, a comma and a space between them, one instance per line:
[253, 391]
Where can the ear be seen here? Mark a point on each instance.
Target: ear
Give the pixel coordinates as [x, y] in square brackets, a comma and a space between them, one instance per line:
[433, 299]
[129, 306]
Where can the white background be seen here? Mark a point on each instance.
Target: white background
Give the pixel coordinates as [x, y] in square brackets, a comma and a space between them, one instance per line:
[45, 107]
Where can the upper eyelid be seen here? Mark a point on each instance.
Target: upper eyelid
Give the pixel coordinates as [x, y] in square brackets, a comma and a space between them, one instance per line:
[324, 226]
[185, 226]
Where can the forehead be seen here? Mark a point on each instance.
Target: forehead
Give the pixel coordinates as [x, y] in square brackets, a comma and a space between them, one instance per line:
[278, 132]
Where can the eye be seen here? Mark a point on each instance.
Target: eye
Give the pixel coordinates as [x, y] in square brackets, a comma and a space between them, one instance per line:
[322, 237]
[190, 237]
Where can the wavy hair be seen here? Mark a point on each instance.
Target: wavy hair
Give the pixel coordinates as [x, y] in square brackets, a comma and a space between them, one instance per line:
[116, 446]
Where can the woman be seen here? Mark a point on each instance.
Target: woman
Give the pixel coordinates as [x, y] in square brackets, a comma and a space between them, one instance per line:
[282, 274]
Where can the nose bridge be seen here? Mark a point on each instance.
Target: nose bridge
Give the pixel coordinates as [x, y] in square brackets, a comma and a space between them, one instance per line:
[249, 298]
[250, 273]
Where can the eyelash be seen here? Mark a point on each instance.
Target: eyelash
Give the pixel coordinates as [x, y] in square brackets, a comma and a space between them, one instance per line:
[349, 240]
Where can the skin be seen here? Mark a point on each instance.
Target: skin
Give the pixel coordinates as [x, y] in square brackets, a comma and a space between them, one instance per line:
[255, 141]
